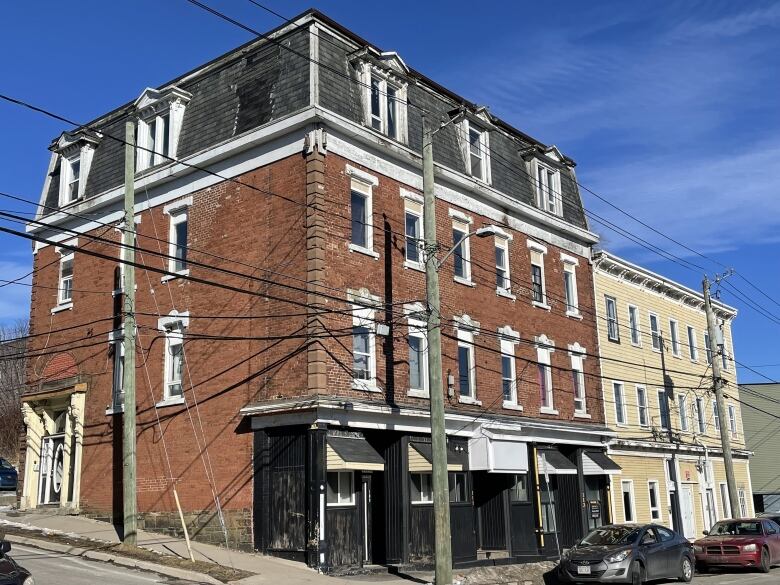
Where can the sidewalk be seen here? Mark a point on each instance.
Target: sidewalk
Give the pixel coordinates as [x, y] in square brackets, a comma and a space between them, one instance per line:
[267, 569]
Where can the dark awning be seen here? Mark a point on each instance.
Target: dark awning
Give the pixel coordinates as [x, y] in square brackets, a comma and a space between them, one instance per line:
[598, 463]
[555, 462]
[352, 453]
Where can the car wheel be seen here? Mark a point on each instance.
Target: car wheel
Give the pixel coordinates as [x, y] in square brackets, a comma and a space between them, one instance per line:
[686, 570]
[764, 566]
[637, 573]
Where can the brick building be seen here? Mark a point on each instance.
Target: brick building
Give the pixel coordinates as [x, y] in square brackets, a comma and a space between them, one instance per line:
[281, 372]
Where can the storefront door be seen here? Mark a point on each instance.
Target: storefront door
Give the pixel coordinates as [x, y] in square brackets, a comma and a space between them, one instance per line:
[52, 469]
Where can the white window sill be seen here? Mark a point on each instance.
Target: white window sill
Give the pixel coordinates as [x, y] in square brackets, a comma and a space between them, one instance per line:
[695, 361]
[656, 350]
[677, 355]
[623, 425]
[581, 415]
[512, 406]
[502, 292]
[418, 393]
[62, 307]
[544, 306]
[636, 344]
[111, 410]
[169, 277]
[548, 410]
[574, 315]
[362, 250]
[469, 400]
[466, 281]
[365, 387]
[172, 401]
[414, 265]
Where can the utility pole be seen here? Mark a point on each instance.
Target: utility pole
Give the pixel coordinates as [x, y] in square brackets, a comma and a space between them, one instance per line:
[128, 310]
[717, 382]
[441, 499]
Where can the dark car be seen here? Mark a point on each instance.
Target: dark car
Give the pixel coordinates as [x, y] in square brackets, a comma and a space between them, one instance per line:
[748, 542]
[8, 475]
[10, 572]
[773, 516]
[628, 553]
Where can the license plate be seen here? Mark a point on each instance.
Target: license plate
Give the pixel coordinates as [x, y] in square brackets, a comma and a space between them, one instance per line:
[583, 570]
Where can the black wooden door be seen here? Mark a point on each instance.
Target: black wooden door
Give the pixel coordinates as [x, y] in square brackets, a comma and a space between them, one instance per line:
[568, 510]
[464, 541]
[490, 503]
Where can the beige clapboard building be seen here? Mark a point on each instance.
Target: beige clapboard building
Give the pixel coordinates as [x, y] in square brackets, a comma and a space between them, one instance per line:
[658, 397]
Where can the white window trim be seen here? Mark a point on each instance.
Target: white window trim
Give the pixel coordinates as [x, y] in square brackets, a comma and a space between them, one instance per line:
[413, 204]
[707, 353]
[364, 317]
[638, 324]
[351, 502]
[541, 250]
[693, 350]
[422, 501]
[716, 416]
[630, 483]
[385, 76]
[701, 415]
[658, 393]
[659, 333]
[502, 241]
[570, 264]
[622, 410]
[733, 427]
[419, 329]
[653, 484]
[364, 183]
[152, 104]
[65, 254]
[541, 201]
[463, 226]
[178, 213]
[639, 406]
[465, 330]
[725, 501]
[577, 355]
[545, 347]
[66, 177]
[173, 325]
[484, 146]
[508, 339]
[607, 300]
[674, 332]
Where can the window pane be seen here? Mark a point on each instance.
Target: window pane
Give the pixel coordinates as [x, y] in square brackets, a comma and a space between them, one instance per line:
[612, 320]
[412, 237]
[627, 503]
[415, 363]
[333, 488]
[180, 249]
[544, 391]
[457, 485]
[458, 256]
[681, 404]
[376, 113]
[537, 284]
[620, 411]
[507, 379]
[359, 219]
[519, 491]
[391, 111]
[166, 144]
[641, 399]
[360, 353]
[464, 373]
[176, 364]
[475, 150]
[501, 279]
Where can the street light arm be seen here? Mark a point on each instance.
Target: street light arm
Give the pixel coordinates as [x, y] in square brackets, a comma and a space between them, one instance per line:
[482, 232]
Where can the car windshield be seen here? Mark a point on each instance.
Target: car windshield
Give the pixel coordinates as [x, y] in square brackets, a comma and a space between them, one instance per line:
[5, 465]
[737, 529]
[612, 535]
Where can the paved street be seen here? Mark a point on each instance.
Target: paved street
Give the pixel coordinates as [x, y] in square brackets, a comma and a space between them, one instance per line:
[739, 577]
[51, 568]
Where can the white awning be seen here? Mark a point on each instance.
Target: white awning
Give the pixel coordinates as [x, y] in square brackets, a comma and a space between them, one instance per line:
[498, 455]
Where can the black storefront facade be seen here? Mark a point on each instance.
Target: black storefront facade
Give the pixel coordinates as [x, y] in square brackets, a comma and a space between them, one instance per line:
[346, 486]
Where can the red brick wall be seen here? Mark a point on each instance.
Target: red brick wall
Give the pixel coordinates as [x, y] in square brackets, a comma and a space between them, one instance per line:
[226, 220]
[387, 278]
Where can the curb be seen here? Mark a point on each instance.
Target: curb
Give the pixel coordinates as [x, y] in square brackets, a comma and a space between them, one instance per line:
[115, 559]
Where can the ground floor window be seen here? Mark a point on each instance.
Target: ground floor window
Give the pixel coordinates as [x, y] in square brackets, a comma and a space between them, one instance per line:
[628, 500]
[458, 492]
[548, 509]
[341, 489]
[655, 505]
[422, 488]
[519, 490]
[742, 503]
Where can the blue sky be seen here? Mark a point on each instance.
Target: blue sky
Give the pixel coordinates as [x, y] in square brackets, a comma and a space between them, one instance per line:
[670, 109]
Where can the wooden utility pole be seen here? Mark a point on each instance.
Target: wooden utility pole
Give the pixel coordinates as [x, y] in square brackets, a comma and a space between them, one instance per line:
[128, 311]
[717, 382]
[441, 498]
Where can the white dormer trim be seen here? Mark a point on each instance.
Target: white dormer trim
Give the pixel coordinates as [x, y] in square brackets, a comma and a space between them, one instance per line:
[390, 70]
[71, 147]
[481, 122]
[151, 105]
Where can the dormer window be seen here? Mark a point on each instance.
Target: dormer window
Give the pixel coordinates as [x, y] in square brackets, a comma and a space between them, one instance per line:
[475, 145]
[160, 116]
[74, 151]
[384, 96]
[548, 189]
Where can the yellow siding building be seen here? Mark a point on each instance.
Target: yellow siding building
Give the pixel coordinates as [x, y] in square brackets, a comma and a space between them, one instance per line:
[657, 383]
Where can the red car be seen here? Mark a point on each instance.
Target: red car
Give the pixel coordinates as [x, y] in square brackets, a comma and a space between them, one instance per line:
[749, 542]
